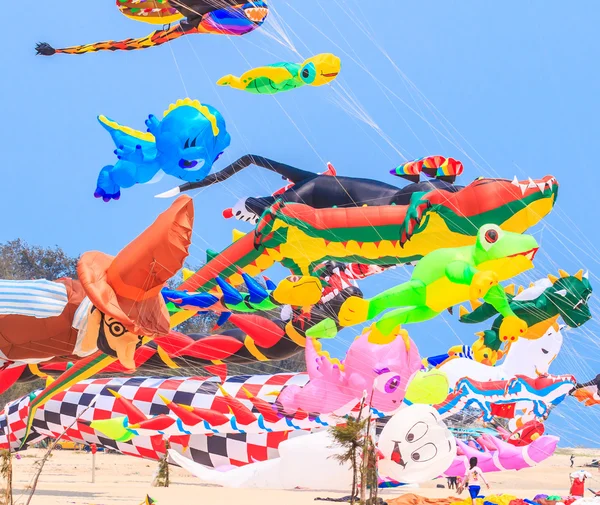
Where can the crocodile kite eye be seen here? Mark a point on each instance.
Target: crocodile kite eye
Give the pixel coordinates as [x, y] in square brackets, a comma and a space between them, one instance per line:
[294, 278]
[305, 73]
[491, 236]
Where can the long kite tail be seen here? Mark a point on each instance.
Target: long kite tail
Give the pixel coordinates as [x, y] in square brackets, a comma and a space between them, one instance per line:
[154, 39]
[82, 370]
[286, 171]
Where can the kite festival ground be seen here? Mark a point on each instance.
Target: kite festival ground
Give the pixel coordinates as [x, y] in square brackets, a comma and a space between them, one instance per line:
[123, 480]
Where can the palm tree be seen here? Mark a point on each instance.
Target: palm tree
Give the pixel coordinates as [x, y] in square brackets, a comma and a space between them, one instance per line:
[371, 477]
[162, 478]
[6, 472]
[349, 437]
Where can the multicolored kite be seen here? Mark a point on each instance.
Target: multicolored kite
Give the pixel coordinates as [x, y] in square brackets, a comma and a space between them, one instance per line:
[225, 17]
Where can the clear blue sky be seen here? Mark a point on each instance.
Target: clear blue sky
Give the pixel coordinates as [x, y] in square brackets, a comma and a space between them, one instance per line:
[508, 88]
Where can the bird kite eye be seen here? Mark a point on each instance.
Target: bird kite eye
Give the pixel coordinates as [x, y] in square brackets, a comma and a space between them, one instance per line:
[491, 236]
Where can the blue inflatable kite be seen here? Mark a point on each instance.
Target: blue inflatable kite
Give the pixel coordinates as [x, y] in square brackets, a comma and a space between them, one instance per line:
[185, 144]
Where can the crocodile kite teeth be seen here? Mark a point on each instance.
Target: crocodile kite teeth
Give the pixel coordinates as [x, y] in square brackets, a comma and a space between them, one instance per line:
[522, 187]
[328, 297]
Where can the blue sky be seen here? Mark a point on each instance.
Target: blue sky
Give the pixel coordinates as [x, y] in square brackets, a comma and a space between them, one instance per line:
[509, 89]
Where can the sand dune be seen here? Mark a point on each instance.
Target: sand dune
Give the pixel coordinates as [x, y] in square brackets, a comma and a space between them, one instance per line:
[123, 480]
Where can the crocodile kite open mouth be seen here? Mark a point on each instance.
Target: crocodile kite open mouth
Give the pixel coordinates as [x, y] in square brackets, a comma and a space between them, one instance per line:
[338, 281]
[528, 254]
[541, 185]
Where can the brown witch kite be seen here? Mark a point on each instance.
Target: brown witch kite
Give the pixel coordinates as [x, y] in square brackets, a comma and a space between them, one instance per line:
[103, 316]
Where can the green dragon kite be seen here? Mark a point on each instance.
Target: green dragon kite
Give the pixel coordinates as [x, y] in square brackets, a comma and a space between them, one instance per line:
[541, 304]
[448, 277]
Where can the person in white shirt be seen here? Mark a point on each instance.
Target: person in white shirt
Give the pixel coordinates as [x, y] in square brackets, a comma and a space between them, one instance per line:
[473, 479]
[578, 479]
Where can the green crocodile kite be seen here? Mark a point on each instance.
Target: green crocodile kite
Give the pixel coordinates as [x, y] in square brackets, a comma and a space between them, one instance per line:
[447, 277]
[283, 76]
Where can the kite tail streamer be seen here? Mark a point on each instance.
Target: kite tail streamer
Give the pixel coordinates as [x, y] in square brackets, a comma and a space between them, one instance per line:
[82, 370]
[156, 38]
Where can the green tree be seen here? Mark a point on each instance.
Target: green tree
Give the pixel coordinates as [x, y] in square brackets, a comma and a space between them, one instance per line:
[348, 436]
[18, 260]
[6, 471]
[162, 477]
[369, 476]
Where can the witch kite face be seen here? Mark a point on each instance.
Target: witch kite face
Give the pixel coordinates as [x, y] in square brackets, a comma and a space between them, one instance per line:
[111, 337]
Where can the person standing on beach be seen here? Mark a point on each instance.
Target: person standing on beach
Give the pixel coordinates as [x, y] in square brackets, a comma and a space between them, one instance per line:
[472, 478]
[578, 479]
[572, 459]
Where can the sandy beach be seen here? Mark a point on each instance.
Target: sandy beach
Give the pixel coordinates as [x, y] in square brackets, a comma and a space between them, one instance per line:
[123, 480]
